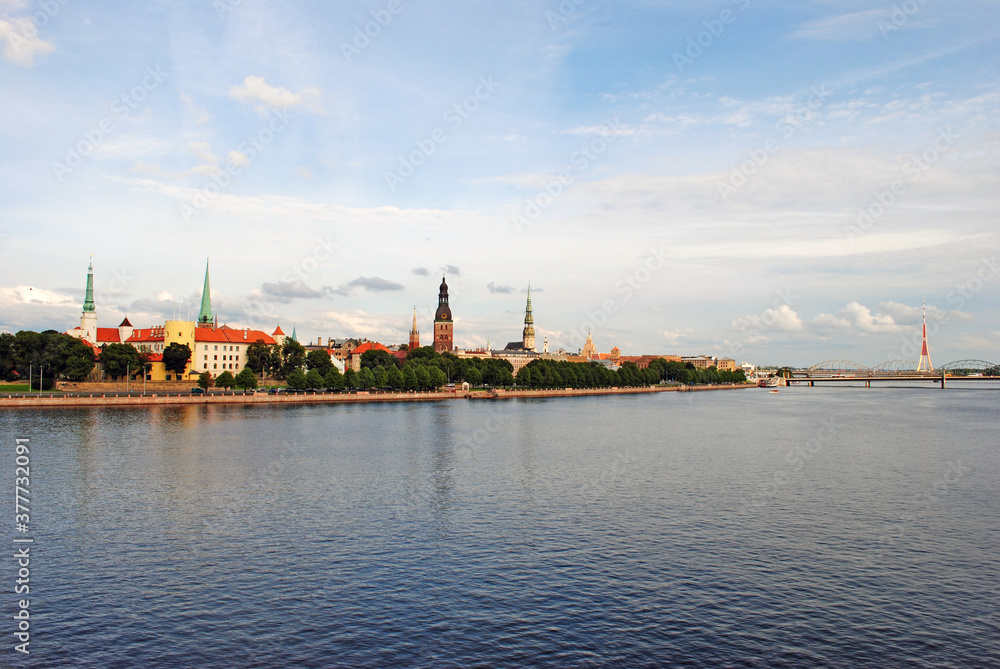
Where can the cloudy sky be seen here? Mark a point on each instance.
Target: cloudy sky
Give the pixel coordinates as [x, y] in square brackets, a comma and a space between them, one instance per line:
[776, 181]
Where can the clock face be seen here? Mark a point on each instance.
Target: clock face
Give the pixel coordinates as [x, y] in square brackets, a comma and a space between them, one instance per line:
[442, 315]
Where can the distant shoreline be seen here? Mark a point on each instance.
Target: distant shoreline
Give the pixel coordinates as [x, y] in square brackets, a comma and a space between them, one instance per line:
[265, 399]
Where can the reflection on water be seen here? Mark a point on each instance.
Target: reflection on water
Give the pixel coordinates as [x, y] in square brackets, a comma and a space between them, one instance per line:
[817, 527]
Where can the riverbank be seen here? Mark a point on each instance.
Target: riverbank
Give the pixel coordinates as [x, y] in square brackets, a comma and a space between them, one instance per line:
[153, 399]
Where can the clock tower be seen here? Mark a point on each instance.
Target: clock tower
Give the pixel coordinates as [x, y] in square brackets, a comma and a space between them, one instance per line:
[444, 334]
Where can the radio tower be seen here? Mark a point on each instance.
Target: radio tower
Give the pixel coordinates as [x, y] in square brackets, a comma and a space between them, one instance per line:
[925, 355]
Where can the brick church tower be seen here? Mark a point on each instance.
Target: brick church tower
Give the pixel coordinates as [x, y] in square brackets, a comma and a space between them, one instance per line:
[444, 334]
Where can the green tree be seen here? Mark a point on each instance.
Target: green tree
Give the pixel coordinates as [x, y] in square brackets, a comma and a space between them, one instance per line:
[314, 379]
[293, 356]
[78, 358]
[351, 379]
[205, 381]
[376, 358]
[366, 379]
[259, 357]
[524, 377]
[474, 377]
[176, 358]
[120, 359]
[297, 379]
[423, 378]
[319, 361]
[334, 379]
[225, 380]
[8, 359]
[246, 379]
[409, 377]
[437, 377]
[394, 378]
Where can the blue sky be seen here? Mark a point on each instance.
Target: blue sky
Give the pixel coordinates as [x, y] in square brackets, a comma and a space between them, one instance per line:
[772, 181]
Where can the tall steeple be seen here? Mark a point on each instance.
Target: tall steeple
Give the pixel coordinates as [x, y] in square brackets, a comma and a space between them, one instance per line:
[205, 317]
[294, 336]
[528, 334]
[414, 334]
[88, 301]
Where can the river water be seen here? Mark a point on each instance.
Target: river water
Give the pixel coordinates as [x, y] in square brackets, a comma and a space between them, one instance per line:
[815, 527]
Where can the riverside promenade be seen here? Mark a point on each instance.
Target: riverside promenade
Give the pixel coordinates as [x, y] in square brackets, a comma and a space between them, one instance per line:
[271, 399]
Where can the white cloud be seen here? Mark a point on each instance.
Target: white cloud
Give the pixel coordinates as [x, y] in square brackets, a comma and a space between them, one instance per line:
[674, 338]
[870, 323]
[17, 295]
[844, 27]
[21, 41]
[200, 115]
[256, 90]
[780, 319]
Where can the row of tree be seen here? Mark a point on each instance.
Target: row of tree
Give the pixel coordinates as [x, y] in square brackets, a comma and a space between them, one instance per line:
[44, 356]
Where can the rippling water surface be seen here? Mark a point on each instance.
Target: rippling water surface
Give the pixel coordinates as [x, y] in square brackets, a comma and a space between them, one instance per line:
[819, 527]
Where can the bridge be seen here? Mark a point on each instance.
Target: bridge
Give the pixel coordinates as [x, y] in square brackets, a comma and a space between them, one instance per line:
[847, 371]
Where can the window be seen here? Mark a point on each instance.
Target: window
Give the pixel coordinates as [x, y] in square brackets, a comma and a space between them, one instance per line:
[206, 347]
[216, 347]
[215, 365]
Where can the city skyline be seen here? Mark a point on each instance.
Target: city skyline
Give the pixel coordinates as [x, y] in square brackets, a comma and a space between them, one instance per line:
[776, 183]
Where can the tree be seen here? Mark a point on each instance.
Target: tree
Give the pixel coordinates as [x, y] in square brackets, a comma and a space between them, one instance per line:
[176, 358]
[314, 379]
[351, 379]
[8, 361]
[437, 377]
[334, 379]
[366, 379]
[293, 356]
[225, 380]
[78, 358]
[297, 379]
[120, 359]
[376, 358]
[246, 379]
[259, 357]
[524, 377]
[205, 381]
[319, 361]
[423, 378]
[394, 378]
[474, 376]
[409, 377]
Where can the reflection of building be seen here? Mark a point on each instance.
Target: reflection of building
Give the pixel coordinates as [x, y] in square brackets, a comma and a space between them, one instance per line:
[444, 333]
[213, 349]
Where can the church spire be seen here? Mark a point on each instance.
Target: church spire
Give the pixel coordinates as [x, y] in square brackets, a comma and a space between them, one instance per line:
[414, 333]
[528, 334]
[88, 301]
[205, 317]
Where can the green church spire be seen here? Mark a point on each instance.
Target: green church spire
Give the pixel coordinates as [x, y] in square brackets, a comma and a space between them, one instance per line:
[88, 301]
[205, 317]
[294, 338]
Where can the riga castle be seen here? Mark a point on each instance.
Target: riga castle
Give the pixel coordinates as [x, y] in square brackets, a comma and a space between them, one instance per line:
[214, 349]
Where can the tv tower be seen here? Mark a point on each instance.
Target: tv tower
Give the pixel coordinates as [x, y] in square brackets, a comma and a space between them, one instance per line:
[925, 355]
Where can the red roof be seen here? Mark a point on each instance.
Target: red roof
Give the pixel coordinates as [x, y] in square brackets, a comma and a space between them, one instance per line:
[228, 335]
[277, 332]
[370, 346]
[107, 336]
[125, 323]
